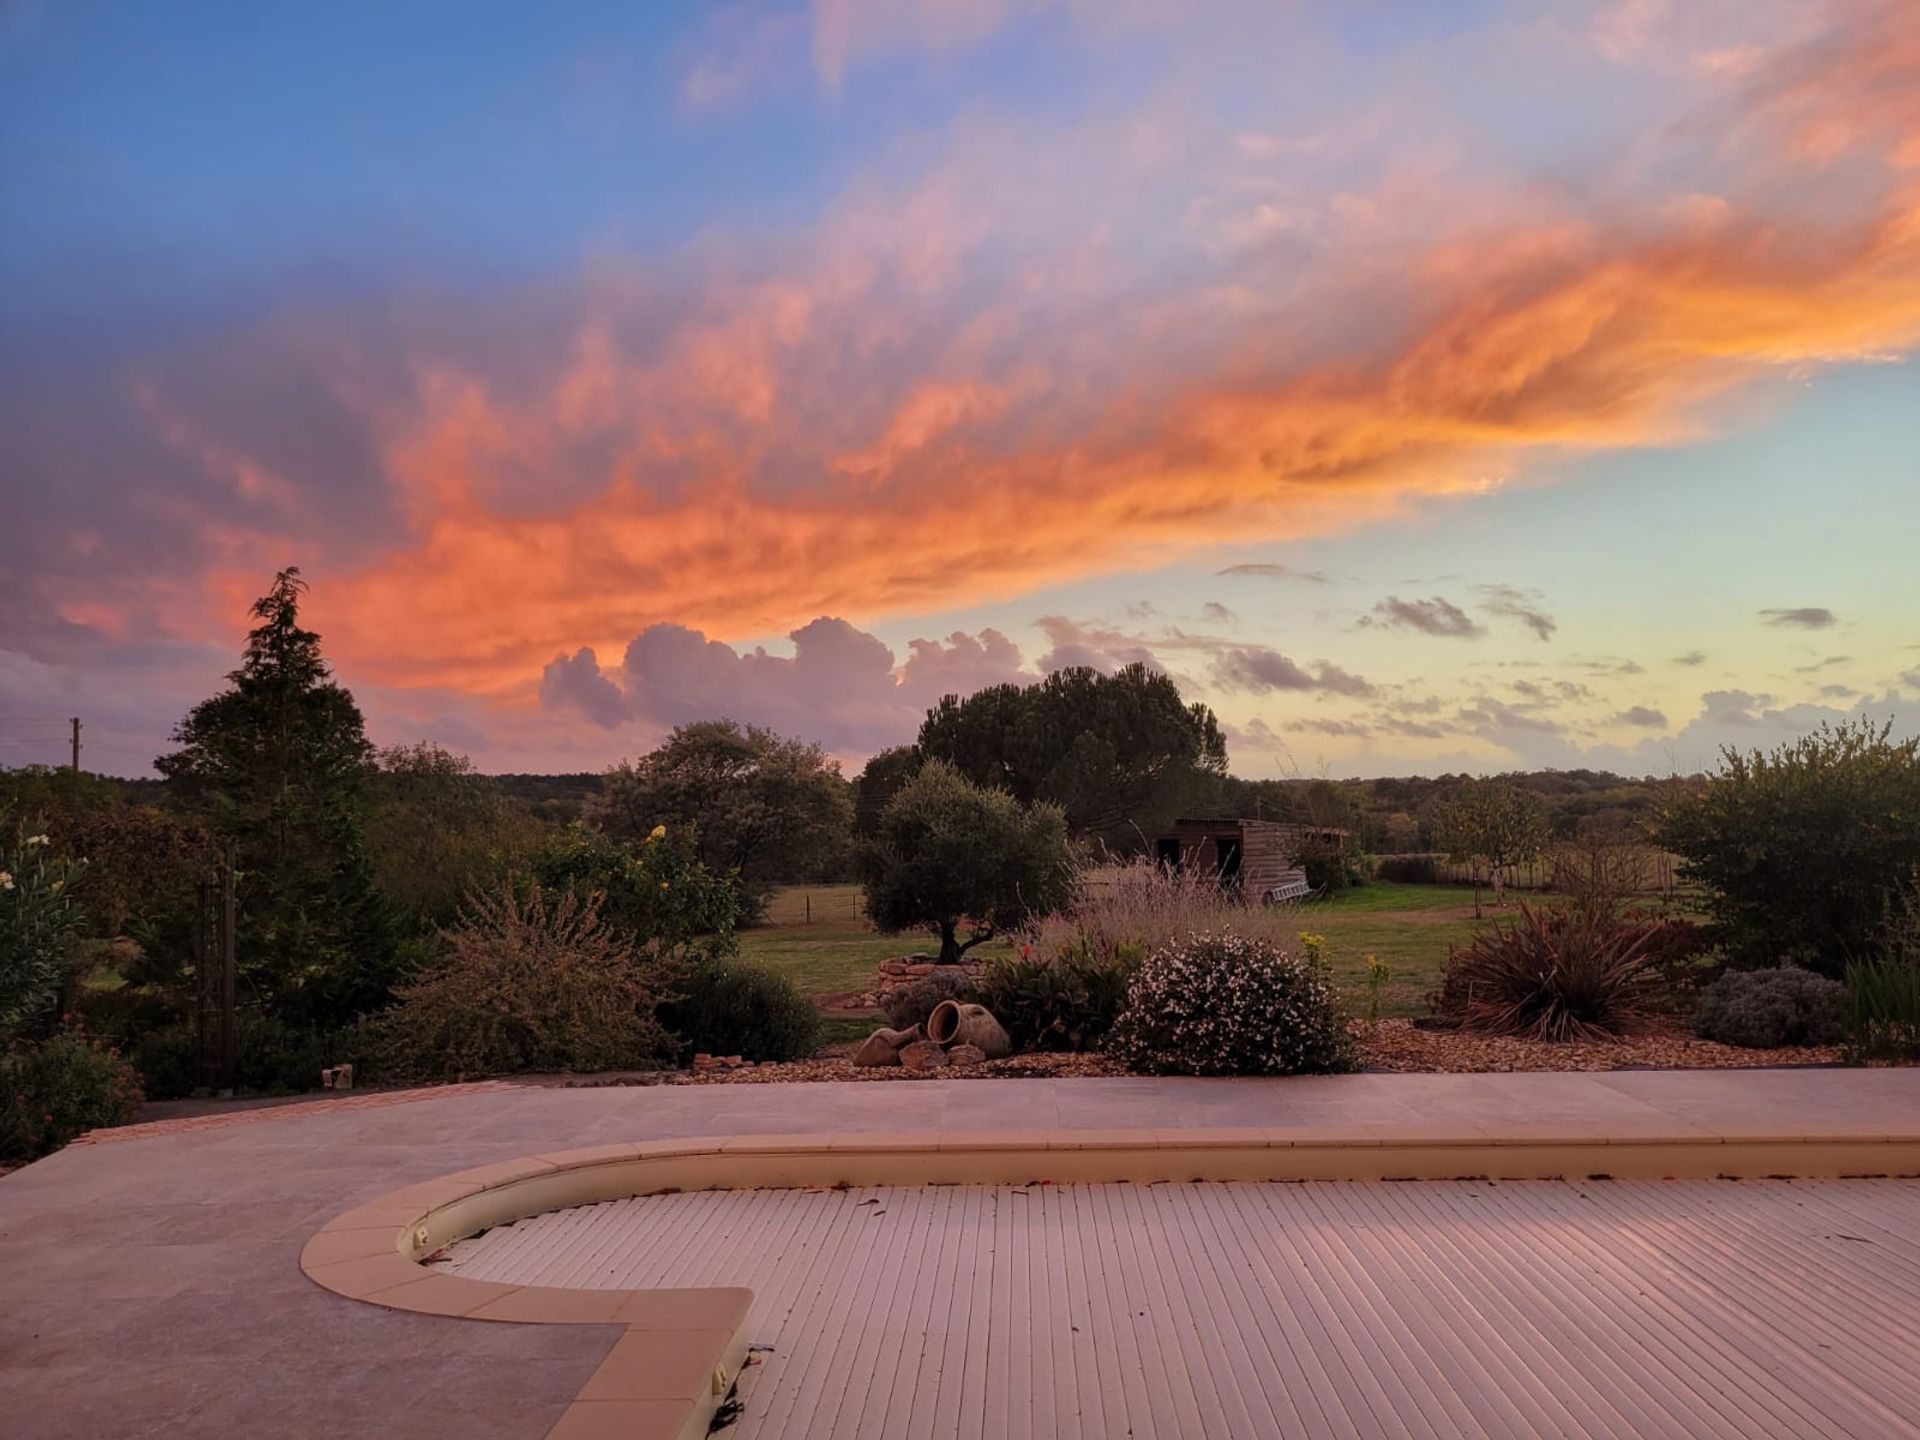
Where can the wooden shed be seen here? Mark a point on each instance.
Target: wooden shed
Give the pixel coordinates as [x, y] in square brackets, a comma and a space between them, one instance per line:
[1259, 859]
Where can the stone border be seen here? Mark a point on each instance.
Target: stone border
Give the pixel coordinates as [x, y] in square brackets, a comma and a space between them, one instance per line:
[682, 1349]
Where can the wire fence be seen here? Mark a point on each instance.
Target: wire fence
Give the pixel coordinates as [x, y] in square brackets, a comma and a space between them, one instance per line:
[816, 905]
[1658, 871]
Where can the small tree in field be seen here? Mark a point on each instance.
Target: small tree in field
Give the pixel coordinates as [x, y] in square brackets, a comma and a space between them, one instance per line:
[948, 853]
[1491, 822]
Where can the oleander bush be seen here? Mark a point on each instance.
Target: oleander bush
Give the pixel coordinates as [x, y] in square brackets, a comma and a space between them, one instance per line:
[1553, 973]
[1064, 998]
[909, 1005]
[1228, 1004]
[1768, 1009]
[64, 1086]
[732, 1007]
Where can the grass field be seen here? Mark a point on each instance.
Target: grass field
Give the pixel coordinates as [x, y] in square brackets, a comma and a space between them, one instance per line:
[1408, 926]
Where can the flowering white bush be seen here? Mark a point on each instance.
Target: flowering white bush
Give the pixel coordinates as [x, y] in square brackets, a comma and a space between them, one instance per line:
[1228, 1004]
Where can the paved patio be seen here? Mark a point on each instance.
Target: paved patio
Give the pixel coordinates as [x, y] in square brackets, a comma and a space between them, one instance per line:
[153, 1288]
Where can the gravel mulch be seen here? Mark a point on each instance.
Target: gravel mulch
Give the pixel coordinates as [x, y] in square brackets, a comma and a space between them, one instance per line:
[1401, 1045]
[1017, 1067]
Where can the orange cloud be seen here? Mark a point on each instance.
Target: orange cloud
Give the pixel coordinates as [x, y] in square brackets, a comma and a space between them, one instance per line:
[883, 427]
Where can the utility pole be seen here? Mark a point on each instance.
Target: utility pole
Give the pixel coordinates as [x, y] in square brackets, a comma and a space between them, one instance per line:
[76, 744]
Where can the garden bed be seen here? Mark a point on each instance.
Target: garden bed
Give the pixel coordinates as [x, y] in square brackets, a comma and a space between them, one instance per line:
[1394, 1045]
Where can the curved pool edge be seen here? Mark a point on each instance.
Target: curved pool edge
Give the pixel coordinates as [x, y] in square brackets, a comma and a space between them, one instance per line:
[682, 1349]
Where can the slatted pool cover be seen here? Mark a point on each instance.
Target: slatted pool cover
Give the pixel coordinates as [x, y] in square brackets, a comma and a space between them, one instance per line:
[1730, 1309]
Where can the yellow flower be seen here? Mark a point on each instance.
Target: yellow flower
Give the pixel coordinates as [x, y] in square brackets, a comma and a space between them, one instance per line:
[665, 886]
[6, 880]
[656, 832]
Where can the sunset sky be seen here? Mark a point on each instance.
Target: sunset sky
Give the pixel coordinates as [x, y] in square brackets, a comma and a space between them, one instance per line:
[1464, 384]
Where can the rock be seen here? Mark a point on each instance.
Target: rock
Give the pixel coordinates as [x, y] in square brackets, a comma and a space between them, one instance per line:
[877, 1050]
[966, 1055]
[922, 967]
[883, 1046]
[922, 1055]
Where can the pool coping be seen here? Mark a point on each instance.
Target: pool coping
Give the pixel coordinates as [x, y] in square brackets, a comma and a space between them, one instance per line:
[680, 1350]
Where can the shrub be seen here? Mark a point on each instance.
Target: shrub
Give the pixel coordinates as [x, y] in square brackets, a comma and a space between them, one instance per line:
[1407, 870]
[1681, 957]
[1065, 999]
[1766, 1009]
[270, 1057]
[1801, 846]
[1882, 1008]
[62, 1087]
[1328, 865]
[728, 1007]
[656, 892]
[1231, 1005]
[1883, 992]
[910, 1005]
[37, 921]
[530, 981]
[1551, 974]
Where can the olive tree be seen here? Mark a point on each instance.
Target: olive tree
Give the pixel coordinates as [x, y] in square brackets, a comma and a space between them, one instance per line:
[948, 854]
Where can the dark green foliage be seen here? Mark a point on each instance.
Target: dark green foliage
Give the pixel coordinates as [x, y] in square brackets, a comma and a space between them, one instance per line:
[765, 808]
[1766, 1009]
[436, 830]
[39, 914]
[909, 1005]
[1883, 990]
[878, 782]
[1406, 870]
[1120, 754]
[1066, 999]
[550, 799]
[1556, 973]
[278, 764]
[949, 853]
[61, 1087]
[656, 893]
[731, 1007]
[1800, 848]
[1882, 1008]
[1328, 863]
[1231, 1005]
[269, 1057]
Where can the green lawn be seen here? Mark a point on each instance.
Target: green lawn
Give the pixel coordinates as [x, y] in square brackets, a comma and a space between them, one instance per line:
[1408, 926]
[825, 958]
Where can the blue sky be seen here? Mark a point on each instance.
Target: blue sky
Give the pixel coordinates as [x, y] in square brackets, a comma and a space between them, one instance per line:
[612, 365]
